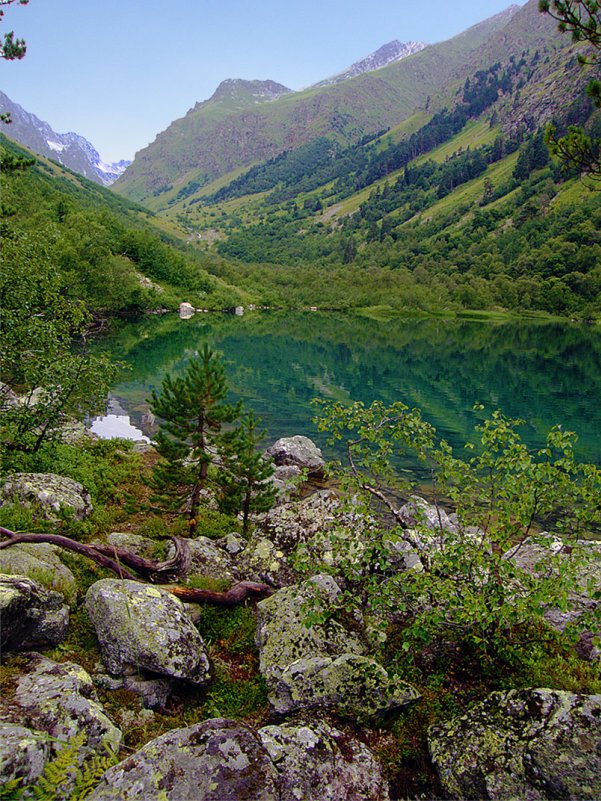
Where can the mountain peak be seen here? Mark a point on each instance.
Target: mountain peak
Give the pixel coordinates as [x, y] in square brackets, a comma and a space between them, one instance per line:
[392, 51]
[240, 89]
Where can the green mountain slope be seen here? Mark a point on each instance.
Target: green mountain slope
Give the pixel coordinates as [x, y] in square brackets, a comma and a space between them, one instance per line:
[109, 252]
[205, 144]
[457, 209]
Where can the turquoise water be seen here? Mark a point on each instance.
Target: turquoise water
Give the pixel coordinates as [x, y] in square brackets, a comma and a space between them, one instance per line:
[544, 373]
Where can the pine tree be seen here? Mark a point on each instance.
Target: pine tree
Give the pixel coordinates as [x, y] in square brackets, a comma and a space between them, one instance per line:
[245, 485]
[192, 412]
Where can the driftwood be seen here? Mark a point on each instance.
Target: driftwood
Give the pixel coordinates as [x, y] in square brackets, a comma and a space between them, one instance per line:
[114, 559]
[235, 595]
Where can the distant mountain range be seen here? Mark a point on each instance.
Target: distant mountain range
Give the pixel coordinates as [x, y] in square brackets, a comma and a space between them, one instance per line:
[244, 124]
[393, 51]
[69, 149]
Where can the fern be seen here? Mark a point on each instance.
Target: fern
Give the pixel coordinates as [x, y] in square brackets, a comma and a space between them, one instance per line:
[60, 772]
[11, 790]
[90, 775]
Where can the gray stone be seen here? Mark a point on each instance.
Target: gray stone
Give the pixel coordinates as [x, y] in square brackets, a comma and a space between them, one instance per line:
[581, 562]
[60, 699]
[23, 753]
[299, 451]
[354, 686]
[40, 562]
[48, 494]
[217, 760]
[417, 511]
[208, 559]
[140, 546]
[141, 627]
[232, 543]
[154, 692]
[285, 480]
[531, 744]
[297, 522]
[316, 761]
[32, 617]
[282, 632]
[263, 561]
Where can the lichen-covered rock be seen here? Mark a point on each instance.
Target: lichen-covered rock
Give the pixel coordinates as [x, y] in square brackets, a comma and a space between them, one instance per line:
[297, 522]
[322, 664]
[417, 511]
[48, 494]
[141, 627]
[31, 616]
[60, 699]
[285, 480]
[233, 543]
[581, 562]
[138, 545]
[154, 691]
[40, 562]
[23, 753]
[531, 744]
[299, 451]
[263, 561]
[208, 559]
[316, 761]
[217, 760]
[282, 632]
[354, 686]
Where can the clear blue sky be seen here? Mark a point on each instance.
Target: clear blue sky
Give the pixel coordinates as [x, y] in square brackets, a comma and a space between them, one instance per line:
[119, 71]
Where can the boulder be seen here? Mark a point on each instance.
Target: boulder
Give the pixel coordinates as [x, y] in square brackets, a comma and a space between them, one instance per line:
[186, 310]
[316, 761]
[533, 744]
[23, 754]
[222, 760]
[48, 494]
[282, 633]
[354, 686]
[208, 559]
[144, 547]
[60, 699]
[154, 691]
[582, 560]
[263, 561]
[299, 451]
[40, 562]
[417, 511]
[297, 522]
[216, 760]
[285, 480]
[141, 627]
[32, 617]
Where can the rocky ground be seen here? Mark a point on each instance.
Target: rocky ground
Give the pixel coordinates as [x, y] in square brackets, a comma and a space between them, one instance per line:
[321, 724]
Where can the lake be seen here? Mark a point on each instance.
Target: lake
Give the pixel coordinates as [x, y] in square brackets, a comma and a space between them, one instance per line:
[276, 362]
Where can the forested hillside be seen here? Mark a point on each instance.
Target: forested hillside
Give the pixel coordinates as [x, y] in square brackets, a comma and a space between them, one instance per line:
[103, 250]
[459, 207]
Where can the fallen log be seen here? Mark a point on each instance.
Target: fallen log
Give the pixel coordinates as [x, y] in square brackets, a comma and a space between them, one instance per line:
[235, 595]
[70, 545]
[155, 571]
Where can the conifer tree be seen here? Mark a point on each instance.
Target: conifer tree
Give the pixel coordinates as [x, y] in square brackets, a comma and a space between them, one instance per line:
[245, 485]
[192, 412]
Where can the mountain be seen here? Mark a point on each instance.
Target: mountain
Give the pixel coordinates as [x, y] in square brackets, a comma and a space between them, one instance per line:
[214, 138]
[393, 51]
[69, 149]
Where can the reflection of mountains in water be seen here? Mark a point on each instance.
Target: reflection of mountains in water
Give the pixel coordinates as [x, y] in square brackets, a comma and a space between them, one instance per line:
[541, 372]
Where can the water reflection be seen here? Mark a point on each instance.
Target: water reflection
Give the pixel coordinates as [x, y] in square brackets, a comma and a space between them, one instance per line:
[544, 373]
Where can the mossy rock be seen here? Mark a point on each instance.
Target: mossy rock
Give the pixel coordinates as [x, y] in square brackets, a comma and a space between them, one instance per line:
[40, 562]
[144, 628]
[533, 743]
